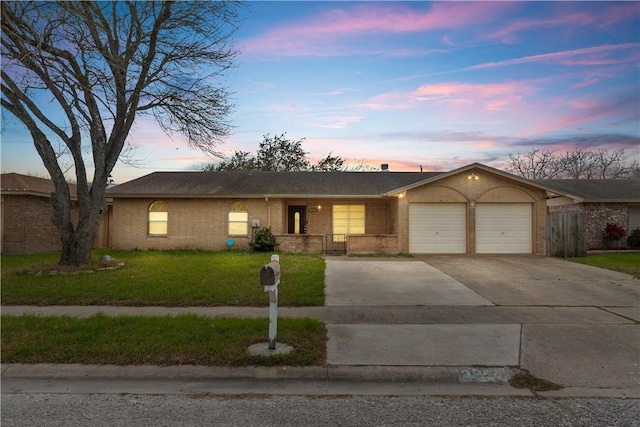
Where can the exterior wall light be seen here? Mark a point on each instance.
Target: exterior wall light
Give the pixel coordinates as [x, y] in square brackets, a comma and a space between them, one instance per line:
[473, 177]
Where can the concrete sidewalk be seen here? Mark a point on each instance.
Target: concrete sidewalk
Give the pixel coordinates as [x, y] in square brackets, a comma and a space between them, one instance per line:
[602, 361]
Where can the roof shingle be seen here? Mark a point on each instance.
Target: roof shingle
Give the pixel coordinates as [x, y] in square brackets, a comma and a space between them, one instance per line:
[264, 183]
[596, 189]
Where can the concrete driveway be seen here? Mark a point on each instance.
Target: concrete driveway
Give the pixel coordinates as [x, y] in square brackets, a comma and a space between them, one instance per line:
[537, 280]
[371, 282]
[569, 323]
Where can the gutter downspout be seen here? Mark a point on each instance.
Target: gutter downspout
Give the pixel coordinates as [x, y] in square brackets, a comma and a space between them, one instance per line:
[266, 199]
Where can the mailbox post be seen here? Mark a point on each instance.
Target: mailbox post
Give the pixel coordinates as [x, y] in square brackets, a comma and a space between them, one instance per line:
[270, 278]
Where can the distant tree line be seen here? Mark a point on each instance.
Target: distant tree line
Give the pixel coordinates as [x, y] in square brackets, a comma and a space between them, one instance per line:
[575, 164]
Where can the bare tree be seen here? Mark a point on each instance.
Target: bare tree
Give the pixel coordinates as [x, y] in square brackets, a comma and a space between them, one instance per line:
[535, 164]
[575, 164]
[614, 165]
[80, 73]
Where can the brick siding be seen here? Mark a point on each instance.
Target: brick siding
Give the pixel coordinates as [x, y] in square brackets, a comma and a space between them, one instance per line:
[27, 226]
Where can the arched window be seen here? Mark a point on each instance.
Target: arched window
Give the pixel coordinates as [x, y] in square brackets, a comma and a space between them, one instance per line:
[238, 219]
[158, 219]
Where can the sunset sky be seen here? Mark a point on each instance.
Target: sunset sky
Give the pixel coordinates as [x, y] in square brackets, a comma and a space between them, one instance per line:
[440, 85]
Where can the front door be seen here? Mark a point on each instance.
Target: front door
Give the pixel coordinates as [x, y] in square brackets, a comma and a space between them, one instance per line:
[297, 220]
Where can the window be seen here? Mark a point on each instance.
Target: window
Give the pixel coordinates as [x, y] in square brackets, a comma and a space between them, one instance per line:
[158, 219]
[238, 219]
[348, 219]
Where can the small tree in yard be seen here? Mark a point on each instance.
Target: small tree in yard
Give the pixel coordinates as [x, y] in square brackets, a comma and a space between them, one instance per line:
[99, 65]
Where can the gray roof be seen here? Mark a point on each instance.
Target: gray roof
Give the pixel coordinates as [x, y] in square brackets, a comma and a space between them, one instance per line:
[596, 189]
[15, 183]
[261, 184]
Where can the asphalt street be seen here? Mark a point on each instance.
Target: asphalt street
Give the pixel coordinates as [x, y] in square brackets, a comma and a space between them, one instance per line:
[116, 410]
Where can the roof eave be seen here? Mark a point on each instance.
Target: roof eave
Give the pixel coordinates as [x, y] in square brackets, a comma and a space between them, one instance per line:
[482, 167]
[246, 196]
[610, 200]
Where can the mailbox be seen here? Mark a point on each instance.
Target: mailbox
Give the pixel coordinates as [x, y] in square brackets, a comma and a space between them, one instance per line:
[270, 273]
[270, 279]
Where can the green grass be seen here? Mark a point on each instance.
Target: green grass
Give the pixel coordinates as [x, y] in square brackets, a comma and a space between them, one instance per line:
[628, 263]
[139, 340]
[162, 278]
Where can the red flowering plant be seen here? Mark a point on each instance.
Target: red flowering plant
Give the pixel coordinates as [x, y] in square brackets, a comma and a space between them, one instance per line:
[614, 232]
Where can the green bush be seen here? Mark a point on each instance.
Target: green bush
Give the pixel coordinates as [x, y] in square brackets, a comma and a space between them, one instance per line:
[634, 239]
[263, 241]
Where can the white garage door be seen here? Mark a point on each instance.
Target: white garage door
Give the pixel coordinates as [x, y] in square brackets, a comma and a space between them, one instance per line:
[503, 228]
[437, 228]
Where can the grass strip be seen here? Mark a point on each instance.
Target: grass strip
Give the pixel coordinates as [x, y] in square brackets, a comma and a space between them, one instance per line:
[162, 278]
[628, 263]
[167, 340]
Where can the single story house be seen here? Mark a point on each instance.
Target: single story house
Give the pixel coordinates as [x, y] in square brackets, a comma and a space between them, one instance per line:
[25, 217]
[475, 209]
[599, 201]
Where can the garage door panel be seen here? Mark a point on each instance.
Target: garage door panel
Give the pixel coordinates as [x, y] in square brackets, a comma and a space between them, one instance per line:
[504, 228]
[437, 228]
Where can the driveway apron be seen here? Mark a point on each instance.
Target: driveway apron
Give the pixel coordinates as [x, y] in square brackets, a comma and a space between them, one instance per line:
[362, 284]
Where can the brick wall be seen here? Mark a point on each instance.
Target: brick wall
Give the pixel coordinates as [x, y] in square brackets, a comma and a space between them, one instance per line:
[596, 217]
[202, 223]
[192, 223]
[300, 242]
[378, 243]
[27, 226]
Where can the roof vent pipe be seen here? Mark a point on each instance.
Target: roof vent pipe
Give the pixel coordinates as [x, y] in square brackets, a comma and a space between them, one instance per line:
[384, 167]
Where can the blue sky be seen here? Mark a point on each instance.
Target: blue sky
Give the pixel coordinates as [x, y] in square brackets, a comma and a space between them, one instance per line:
[417, 83]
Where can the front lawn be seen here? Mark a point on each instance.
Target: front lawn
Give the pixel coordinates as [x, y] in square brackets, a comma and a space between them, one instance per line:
[628, 263]
[162, 278]
[139, 340]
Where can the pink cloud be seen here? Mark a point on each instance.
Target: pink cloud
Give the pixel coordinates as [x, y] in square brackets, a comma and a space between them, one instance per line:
[567, 17]
[318, 36]
[576, 19]
[487, 96]
[563, 114]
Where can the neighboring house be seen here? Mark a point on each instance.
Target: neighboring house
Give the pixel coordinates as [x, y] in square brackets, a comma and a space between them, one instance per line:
[26, 215]
[473, 209]
[600, 201]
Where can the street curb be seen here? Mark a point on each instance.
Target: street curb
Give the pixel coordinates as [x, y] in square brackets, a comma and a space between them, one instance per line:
[444, 374]
[431, 381]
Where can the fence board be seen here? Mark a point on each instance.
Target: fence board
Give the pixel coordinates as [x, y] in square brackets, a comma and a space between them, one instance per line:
[566, 234]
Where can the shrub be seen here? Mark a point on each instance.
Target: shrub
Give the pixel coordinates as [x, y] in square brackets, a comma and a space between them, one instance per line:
[614, 232]
[633, 241]
[263, 241]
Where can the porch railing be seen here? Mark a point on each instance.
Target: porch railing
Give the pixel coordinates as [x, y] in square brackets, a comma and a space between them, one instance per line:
[336, 244]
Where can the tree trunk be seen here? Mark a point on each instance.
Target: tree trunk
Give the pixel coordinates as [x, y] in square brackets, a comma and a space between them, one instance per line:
[78, 234]
[76, 250]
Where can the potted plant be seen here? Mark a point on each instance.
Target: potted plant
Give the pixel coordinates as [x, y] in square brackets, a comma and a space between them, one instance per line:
[612, 235]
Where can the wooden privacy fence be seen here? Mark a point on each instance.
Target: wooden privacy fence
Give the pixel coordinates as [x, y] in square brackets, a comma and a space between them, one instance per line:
[566, 234]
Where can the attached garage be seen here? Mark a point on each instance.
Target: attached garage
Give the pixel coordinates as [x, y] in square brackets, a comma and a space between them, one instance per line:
[504, 228]
[437, 228]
